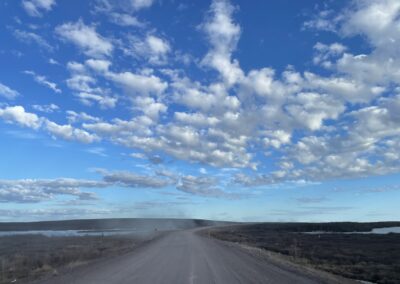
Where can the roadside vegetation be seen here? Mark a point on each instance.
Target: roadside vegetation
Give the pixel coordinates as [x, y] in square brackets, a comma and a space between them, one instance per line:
[368, 257]
[29, 257]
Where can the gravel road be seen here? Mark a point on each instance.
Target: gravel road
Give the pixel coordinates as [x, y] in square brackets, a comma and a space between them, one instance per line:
[184, 257]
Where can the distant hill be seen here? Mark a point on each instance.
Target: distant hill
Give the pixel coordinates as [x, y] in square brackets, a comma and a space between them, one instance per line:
[110, 224]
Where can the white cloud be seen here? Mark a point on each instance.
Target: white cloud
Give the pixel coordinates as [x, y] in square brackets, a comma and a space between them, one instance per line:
[141, 4]
[30, 37]
[76, 67]
[195, 119]
[223, 35]
[129, 179]
[157, 45]
[68, 132]
[376, 19]
[138, 84]
[368, 146]
[99, 151]
[325, 20]
[85, 87]
[194, 96]
[98, 64]
[82, 83]
[150, 107]
[35, 8]
[125, 20]
[127, 6]
[326, 52]
[119, 130]
[203, 186]
[311, 109]
[39, 190]
[86, 38]
[7, 92]
[42, 80]
[341, 122]
[151, 48]
[138, 156]
[277, 138]
[17, 114]
[52, 61]
[46, 108]
[75, 117]
[103, 101]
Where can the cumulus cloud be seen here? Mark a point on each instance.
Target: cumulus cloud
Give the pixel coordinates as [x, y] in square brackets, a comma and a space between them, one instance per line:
[18, 115]
[68, 132]
[35, 8]
[150, 107]
[86, 38]
[377, 20]
[225, 123]
[223, 34]
[341, 122]
[367, 148]
[152, 48]
[84, 83]
[324, 53]
[98, 64]
[139, 84]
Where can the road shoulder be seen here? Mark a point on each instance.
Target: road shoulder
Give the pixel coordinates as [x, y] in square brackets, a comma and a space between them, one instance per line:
[279, 260]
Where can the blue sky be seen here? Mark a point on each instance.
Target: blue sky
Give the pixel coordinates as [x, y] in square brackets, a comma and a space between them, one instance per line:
[228, 110]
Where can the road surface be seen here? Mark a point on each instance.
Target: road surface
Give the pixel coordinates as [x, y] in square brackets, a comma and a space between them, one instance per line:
[183, 257]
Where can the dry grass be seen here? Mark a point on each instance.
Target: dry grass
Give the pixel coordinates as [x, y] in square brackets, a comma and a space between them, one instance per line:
[367, 257]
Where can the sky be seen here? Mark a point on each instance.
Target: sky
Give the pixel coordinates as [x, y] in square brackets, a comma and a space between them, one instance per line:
[222, 109]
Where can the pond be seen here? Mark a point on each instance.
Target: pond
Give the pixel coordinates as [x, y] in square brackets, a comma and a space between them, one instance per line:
[380, 231]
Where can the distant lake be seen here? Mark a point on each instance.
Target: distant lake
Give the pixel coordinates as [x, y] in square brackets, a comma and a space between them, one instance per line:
[74, 233]
[380, 231]
[386, 230]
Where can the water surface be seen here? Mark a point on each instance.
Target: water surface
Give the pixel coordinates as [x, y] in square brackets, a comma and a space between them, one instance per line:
[378, 231]
[74, 233]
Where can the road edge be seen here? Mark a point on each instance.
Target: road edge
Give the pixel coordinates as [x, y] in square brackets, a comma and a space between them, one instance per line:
[280, 260]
